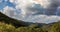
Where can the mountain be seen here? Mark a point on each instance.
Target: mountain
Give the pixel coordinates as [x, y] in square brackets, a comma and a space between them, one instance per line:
[15, 22]
[8, 20]
[42, 27]
[52, 27]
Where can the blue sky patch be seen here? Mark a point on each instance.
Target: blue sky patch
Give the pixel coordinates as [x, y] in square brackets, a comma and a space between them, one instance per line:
[6, 3]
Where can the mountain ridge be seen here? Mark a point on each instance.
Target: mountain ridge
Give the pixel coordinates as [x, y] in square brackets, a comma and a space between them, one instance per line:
[15, 22]
[8, 20]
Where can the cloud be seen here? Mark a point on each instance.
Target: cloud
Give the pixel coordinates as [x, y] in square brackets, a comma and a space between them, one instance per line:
[22, 4]
[46, 19]
[35, 9]
[41, 19]
[31, 11]
[50, 6]
[29, 7]
[8, 11]
[51, 9]
[12, 1]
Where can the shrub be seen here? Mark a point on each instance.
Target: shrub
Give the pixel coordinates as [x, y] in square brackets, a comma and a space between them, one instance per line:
[6, 27]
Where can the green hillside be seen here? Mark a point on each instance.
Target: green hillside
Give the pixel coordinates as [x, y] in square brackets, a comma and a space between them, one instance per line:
[8, 24]
[8, 20]
[52, 27]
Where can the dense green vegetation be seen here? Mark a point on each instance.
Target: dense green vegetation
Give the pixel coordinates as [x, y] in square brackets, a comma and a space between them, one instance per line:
[8, 24]
[8, 20]
[10, 28]
[54, 27]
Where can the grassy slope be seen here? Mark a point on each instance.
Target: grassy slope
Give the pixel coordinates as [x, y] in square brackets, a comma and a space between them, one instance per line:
[9, 20]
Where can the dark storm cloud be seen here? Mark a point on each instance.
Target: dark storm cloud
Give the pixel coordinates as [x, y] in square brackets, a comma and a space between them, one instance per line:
[52, 7]
[37, 8]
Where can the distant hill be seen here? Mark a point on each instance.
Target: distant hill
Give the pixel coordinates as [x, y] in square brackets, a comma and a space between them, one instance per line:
[52, 27]
[42, 27]
[8, 20]
[15, 22]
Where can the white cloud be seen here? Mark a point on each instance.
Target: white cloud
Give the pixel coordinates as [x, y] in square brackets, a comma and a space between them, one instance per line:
[31, 18]
[12, 1]
[27, 15]
[44, 3]
[44, 19]
[8, 11]
[23, 4]
[38, 18]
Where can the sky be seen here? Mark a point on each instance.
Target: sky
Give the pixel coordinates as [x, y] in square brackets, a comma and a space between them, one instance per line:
[40, 11]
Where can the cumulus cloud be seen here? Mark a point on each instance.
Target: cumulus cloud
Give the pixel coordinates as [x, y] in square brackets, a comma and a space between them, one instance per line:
[32, 11]
[42, 19]
[23, 4]
[8, 11]
[52, 7]
[29, 8]
[44, 3]
[12, 1]
[35, 9]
